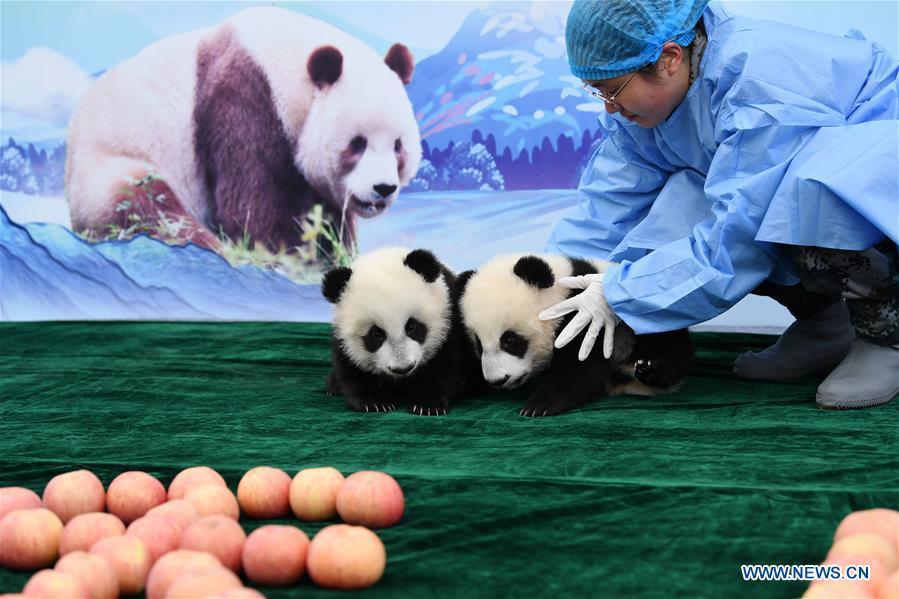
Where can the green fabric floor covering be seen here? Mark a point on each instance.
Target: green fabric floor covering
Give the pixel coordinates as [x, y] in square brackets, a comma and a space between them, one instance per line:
[628, 497]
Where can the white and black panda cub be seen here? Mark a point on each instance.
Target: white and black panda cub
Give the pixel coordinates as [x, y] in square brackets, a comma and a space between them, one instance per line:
[499, 305]
[397, 334]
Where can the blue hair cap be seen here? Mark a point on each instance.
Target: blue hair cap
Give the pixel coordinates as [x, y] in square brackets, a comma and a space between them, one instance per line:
[609, 38]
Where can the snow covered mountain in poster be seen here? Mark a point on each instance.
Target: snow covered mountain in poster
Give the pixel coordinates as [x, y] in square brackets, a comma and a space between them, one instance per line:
[505, 73]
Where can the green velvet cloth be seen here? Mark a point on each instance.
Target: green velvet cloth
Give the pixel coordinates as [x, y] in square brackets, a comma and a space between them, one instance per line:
[628, 497]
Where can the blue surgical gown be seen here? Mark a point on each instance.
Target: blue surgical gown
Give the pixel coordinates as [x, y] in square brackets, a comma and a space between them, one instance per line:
[787, 136]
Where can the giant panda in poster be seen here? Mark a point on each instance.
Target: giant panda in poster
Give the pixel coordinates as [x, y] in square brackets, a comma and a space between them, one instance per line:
[237, 131]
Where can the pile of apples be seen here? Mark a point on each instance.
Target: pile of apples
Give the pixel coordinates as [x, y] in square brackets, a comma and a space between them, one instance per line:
[187, 542]
[863, 538]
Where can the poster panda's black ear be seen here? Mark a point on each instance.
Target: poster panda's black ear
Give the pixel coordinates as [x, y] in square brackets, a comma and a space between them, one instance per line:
[334, 282]
[534, 270]
[424, 263]
[325, 65]
[400, 61]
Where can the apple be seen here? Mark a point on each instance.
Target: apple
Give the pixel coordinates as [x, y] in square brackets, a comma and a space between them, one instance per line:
[73, 493]
[132, 494]
[372, 499]
[50, 584]
[275, 555]
[171, 565]
[130, 558]
[84, 530]
[29, 539]
[203, 582]
[313, 493]
[194, 477]
[98, 576]
[212, 499]
[180, 511]
[346, 557]
[219, 535]
[263, 492]
[17, 498]
[158, 533]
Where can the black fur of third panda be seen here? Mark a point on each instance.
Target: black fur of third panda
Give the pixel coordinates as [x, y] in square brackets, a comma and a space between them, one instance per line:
[397, 334]
[500, 304]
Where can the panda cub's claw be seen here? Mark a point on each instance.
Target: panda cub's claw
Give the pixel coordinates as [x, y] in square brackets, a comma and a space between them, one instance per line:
[643, 370]
[423, 410]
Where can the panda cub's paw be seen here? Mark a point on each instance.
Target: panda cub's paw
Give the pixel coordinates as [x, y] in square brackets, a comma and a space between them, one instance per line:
[537, 407]
[370, 404]
[655, 373]
[332, 387]
[437, 407]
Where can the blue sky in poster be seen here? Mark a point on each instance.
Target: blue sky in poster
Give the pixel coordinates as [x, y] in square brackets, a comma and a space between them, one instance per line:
[76, 40]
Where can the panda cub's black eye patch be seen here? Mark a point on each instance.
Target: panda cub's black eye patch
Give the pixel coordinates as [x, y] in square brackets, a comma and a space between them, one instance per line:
[416, 330]
[397, 145]
[358, 144]
[374, 338]
[513, 343]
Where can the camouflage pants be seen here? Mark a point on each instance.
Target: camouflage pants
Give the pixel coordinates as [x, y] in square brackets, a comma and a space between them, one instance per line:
[867, 279]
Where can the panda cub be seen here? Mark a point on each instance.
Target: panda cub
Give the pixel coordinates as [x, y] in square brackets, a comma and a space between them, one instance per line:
[397, 334]
[499, 305]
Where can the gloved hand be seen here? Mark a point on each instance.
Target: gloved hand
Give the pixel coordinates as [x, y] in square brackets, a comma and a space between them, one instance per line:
[592, 309]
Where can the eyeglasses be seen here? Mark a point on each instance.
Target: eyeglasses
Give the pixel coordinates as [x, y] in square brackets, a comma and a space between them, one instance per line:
[596, 93]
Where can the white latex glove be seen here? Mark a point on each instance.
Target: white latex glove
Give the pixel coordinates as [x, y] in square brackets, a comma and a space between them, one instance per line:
[592, 309]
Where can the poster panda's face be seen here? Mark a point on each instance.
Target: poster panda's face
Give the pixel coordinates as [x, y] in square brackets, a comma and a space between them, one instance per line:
[500, 304]
[392, 310]
[361, 142]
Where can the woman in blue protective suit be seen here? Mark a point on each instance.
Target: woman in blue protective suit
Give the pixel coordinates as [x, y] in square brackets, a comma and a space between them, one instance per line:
[741, 156]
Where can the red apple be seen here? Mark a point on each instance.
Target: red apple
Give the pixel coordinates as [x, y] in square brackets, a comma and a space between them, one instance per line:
[194, 477]
[372, 499]
[132, 494]
[212, 499]
[180, 511]
[275, 555]
[171, 565]
[130, 558]
[313, 493]
[50, 584]
[73, 493]
[29, 539]
[203, 582]
[94, 571]
[263, 492]
[219, 535]
[17, 498]
[346, 557]
[159, 534]
[84, 530]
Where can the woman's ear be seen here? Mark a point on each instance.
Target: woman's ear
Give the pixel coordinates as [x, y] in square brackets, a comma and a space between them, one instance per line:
[671, 59]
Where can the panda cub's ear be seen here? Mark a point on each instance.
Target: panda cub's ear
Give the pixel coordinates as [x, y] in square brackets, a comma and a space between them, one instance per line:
[325, 65]
[460, 284]
[424, 263]
[534, 271]
[334, 282]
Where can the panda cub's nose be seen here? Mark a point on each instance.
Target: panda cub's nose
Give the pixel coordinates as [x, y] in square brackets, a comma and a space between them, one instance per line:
[384, 190]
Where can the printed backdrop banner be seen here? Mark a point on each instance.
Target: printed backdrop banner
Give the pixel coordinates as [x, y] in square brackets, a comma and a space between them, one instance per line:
[208, 160]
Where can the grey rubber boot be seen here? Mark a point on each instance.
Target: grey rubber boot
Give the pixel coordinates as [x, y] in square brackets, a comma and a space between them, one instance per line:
[811, 344]
[868, 376]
